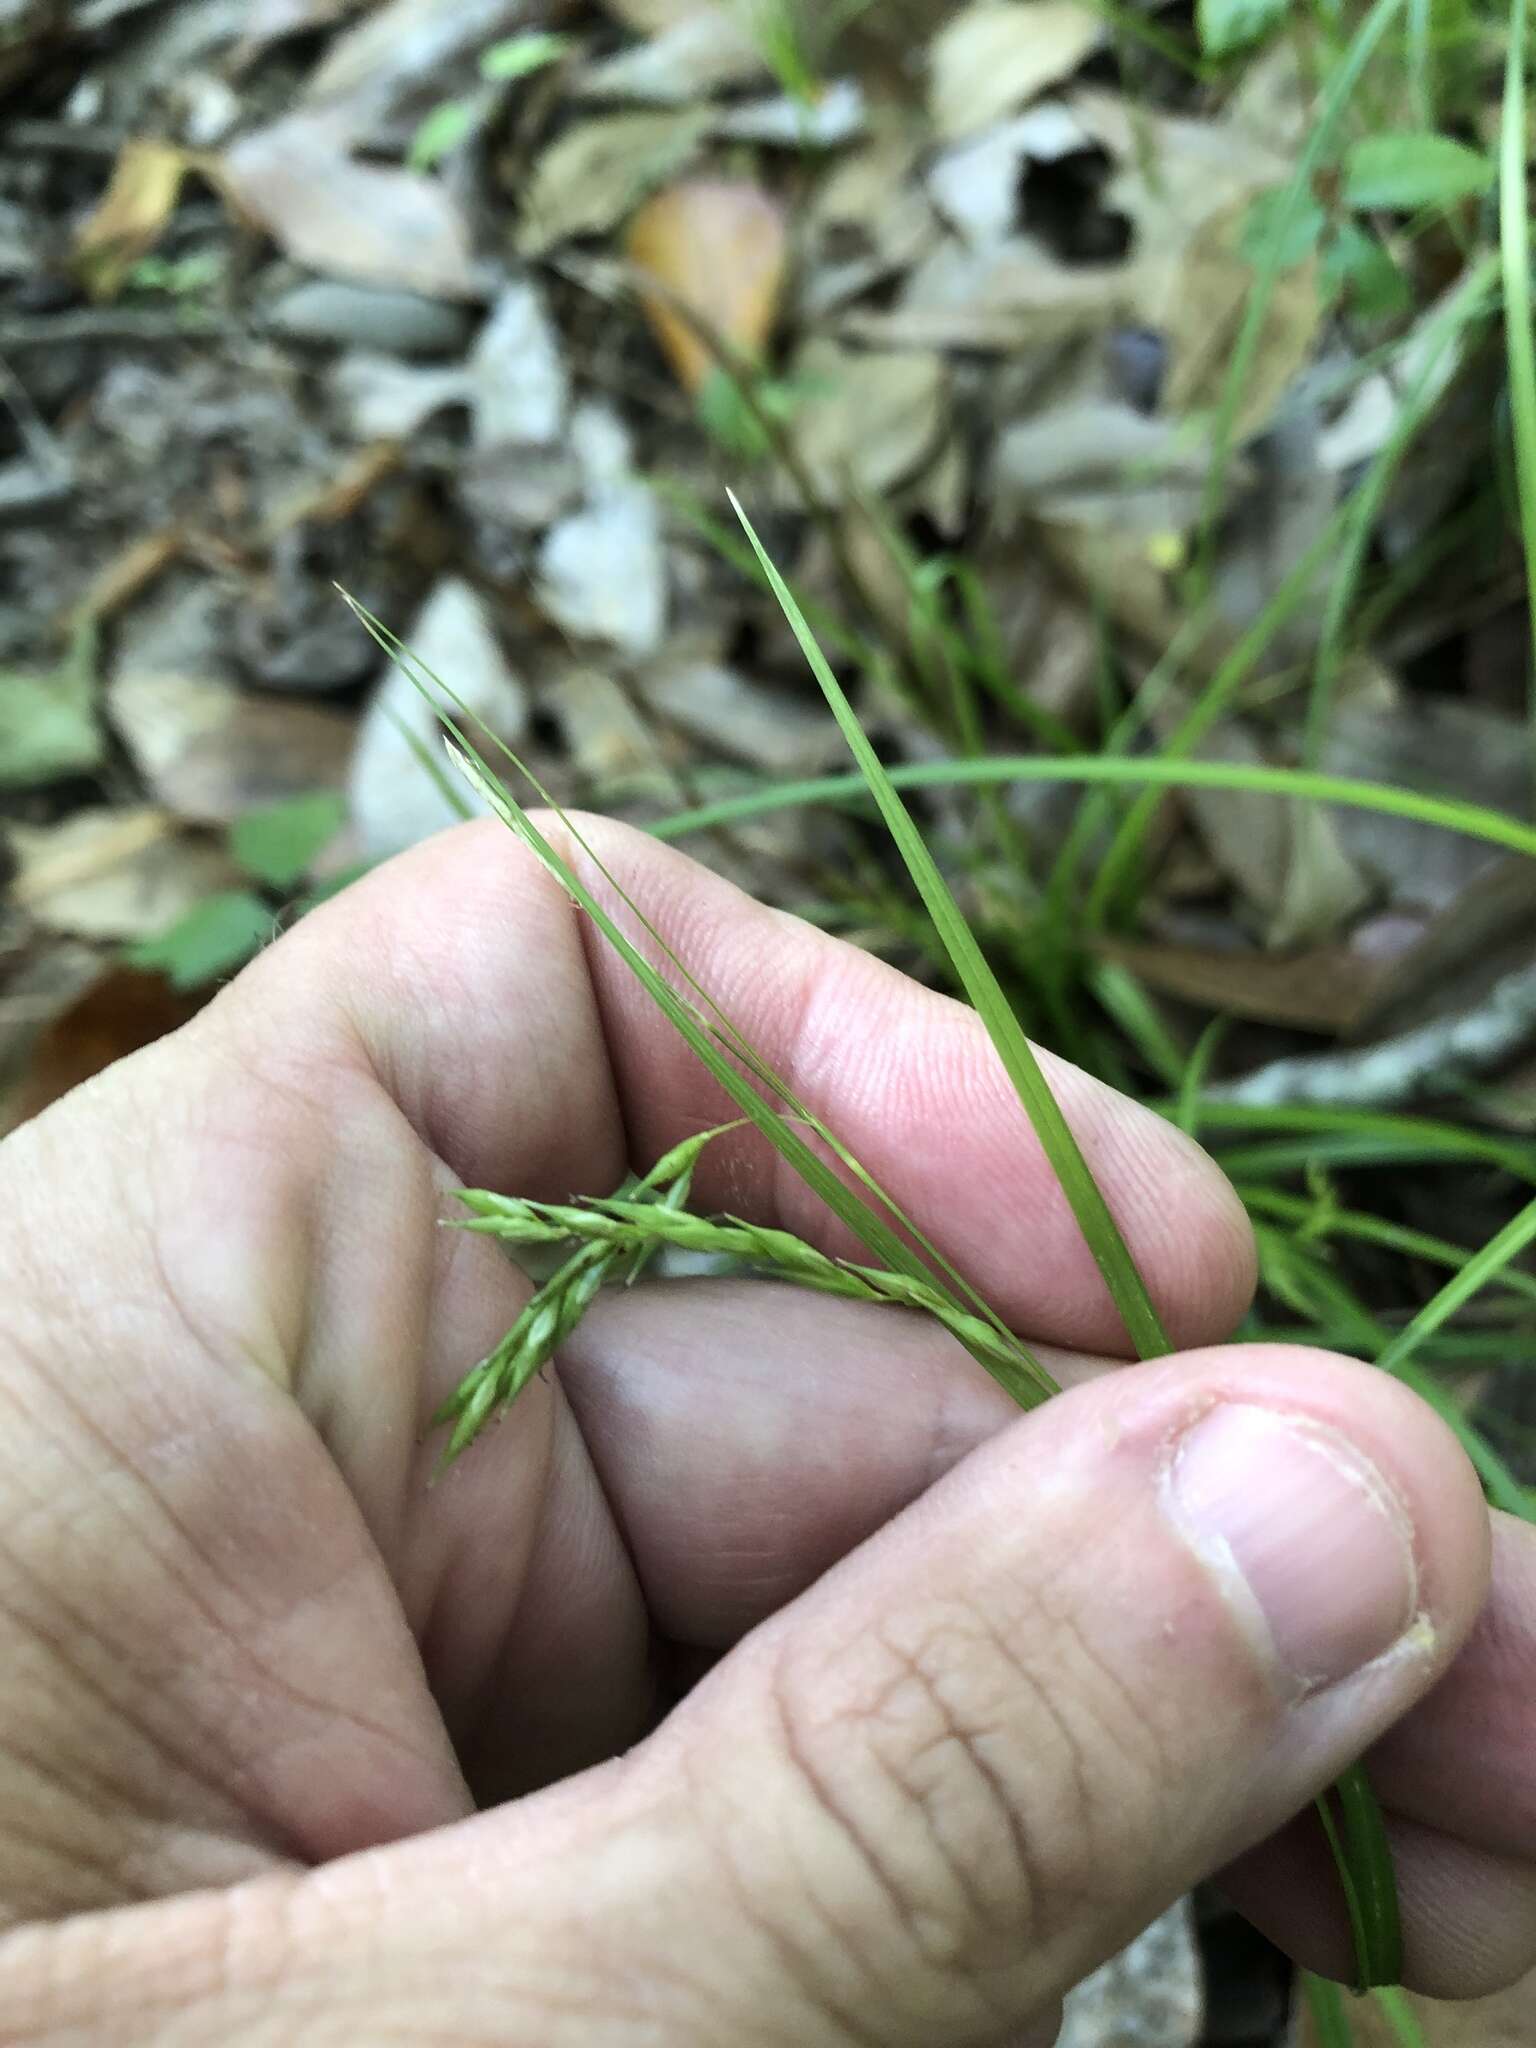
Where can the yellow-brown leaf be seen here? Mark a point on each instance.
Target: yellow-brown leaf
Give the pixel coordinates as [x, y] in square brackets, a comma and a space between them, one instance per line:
[717, 247]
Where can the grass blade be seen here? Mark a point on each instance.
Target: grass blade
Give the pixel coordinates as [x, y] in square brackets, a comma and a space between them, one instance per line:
[1110, 1251]
[1482, 1267]
[1515, 257]
[1474, 820]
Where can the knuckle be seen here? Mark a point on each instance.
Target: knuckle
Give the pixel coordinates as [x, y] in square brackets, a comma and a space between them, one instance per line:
[983, 1777]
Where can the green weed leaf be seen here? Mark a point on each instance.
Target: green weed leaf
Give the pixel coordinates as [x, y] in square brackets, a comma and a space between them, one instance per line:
[216, 936]
[520, 56]
[278, 844]
[1225, 26]
[1406, 172]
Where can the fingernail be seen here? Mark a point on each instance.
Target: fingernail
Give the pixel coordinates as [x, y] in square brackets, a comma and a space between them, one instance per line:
[1311, 1547]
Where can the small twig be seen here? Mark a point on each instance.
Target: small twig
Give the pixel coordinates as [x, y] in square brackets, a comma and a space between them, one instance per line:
[84, 324]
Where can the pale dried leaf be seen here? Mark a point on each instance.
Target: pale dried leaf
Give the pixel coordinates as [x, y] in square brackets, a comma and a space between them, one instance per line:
[210, 752]
[396, 800]
[599, 171]
[520, 389]
[835, 116]
[868, 421]
[382, 399]
[998, 54]
[610, 743]
[375, 67]
[603, 571]
[1324, 989]
[131, 214]
[719, 246]
[116, 875]
[703, 53]
[1203, 314]
[348, 219]
[713, 702]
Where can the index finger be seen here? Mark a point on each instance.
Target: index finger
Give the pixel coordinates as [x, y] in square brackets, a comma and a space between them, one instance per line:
[525, 1052]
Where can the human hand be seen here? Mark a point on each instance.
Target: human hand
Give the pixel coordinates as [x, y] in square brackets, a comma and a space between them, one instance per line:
[980, 1693]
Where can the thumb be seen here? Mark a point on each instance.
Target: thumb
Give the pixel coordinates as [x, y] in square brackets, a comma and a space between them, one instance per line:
[1113, 1648]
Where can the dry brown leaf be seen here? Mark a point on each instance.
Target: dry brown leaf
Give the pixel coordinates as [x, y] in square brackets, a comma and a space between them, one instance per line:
[997, 54]
[1207, 301]
[106, 874]
[131, 214]
[118, 1014]
[598, 171]
[210, 752]
[1323, 989]
[349, 219]
[267, 21]
[717, 245]
[867, 422]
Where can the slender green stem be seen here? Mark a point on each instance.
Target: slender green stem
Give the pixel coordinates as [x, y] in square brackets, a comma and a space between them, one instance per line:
[1515, 254]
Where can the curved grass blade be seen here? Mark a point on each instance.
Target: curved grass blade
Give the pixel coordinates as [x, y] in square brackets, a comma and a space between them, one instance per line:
[1474, 820]
[1515, 256]
[1110, 1252]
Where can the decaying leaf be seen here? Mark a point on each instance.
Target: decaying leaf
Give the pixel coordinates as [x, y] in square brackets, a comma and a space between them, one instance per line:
[867, 421]
[701, 53]
[612, 746]
[395, 780]
[379, 63]
[113, 874]
[1207, 300]
[519, 387]
[603, 570]
[109, 1017]
[48, 720]
[350, 219]
[718, 245]
[1324, 989]
[997, 54]
[599, 171]
[131, 214]
[692, 689]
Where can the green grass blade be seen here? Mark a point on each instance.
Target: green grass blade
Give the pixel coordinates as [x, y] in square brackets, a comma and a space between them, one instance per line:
[1397, 1237]
[1474, 820]
[1399, 2016]
[1110, 1251]
[1515, 256]
[1467, 304]
[1483, 1266]
[1342, 85]
[1330, 2015]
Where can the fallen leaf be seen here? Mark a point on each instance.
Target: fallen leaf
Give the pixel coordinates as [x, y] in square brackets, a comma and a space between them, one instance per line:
[1203, 313]
[116, 1014]
[396, 781]
[834, 117]
[48, 720]
[701, 53]
[519, 388]
[707, 698]
[599, 171]
[867, 421]
[350, 219]
[1323, 989]
[997, 54]
[975, 184]
[612, 746]
[719, 247]
[374, 68]
[113, 874]
[603, 570]
[382, 399]
[131, 214]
